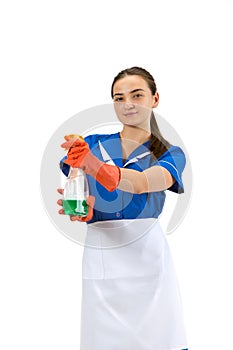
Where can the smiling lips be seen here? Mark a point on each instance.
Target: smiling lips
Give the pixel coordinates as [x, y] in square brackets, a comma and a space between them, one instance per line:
[129, 114]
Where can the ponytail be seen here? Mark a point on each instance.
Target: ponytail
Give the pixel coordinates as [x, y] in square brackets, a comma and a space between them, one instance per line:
[158, 144]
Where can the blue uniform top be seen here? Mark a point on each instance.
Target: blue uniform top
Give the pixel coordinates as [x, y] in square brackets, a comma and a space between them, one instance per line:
[119, 204]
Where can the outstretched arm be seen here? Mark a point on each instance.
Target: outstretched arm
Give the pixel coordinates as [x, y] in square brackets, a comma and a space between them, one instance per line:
[153, 179]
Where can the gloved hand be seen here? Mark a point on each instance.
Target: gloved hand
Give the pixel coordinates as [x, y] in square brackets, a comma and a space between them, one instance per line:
[90, 202]
[80, 156]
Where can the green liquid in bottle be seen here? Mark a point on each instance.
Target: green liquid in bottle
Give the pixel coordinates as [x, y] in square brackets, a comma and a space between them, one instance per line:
[75, 207]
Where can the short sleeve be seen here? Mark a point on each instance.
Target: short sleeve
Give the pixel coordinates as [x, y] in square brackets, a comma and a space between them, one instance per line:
[174, 161]
[65, 168]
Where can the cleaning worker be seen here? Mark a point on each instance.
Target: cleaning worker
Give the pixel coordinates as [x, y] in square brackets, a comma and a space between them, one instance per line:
[130, 296]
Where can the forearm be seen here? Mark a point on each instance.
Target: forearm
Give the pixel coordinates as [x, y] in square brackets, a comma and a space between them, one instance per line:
[154, 179]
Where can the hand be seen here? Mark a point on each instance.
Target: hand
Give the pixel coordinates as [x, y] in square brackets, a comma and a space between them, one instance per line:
[90, 202]
[80, 156]
[78, 150]
[70, 140]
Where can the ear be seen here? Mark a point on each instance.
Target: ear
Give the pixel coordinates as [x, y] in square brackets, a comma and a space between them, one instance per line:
[156, 100]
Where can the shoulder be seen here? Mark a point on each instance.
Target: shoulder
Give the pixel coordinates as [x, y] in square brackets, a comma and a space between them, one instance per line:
[174, 153]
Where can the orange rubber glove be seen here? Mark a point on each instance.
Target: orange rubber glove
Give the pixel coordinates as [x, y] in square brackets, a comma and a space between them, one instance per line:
[80, 156]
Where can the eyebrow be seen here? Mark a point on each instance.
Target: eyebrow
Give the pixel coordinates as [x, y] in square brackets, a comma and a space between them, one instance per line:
[131, 92]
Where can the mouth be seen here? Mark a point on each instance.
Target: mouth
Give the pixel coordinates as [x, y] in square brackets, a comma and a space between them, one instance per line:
[129, 114]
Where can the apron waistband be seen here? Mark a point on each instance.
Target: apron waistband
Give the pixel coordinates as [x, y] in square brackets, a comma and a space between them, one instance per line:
[118, 233]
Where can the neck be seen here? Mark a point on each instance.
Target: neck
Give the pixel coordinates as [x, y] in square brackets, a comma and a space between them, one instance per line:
[135, 133]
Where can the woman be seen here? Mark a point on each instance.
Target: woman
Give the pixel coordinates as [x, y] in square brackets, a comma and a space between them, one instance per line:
[131, 297]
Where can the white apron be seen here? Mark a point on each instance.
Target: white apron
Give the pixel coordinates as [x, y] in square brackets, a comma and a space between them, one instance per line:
[130, 295]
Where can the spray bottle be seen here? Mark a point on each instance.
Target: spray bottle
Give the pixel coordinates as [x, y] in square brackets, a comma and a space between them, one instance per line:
[76, 192]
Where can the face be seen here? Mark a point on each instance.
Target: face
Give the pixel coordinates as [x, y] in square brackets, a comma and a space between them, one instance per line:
[133, 101]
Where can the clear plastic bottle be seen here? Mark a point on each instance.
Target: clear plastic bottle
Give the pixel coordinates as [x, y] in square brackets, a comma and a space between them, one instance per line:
[75, 193]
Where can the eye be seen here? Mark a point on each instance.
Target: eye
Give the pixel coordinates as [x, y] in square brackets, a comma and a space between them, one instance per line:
[137, 96]
[118, 99]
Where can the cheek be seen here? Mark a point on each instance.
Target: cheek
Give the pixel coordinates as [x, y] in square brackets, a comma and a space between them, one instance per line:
[119, 110]
[145, 112]
[118, 107]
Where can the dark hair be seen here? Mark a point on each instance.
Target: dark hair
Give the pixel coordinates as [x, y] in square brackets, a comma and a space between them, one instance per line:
[158, 144]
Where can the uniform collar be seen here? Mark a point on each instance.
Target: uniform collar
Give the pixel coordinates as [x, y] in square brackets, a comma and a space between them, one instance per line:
[109, 152]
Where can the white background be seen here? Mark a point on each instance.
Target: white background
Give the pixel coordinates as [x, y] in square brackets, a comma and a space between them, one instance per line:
[59, 58]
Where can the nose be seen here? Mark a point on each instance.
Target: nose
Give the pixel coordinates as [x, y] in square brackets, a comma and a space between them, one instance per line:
[128, 104]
